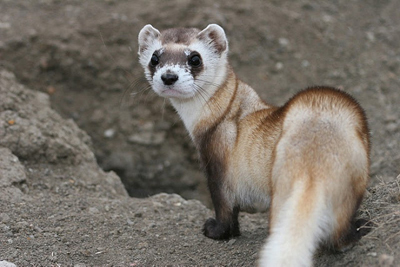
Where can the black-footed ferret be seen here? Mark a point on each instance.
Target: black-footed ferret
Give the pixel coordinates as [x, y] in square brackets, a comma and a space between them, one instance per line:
[308, 160]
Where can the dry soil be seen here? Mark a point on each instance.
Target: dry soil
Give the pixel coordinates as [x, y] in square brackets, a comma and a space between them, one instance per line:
[86, 147]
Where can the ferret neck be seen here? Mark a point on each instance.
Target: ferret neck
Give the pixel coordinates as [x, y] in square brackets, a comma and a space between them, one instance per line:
[206, 107]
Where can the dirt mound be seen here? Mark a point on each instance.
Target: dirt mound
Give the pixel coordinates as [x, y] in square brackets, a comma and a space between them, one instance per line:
[58, 205]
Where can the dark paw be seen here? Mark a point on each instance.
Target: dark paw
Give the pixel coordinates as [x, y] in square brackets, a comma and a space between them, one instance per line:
[217, 230]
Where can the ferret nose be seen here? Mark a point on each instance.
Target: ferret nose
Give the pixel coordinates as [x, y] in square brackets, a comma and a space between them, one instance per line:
[169, 78]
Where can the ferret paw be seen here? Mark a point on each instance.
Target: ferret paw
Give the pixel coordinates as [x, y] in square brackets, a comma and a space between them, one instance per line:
[217, 230]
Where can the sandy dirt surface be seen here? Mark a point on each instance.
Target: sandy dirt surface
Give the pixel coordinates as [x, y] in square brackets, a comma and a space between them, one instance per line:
[84, 142]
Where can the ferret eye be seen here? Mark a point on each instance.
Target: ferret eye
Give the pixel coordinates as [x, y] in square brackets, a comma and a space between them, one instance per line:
[154, 60]
[195, 60]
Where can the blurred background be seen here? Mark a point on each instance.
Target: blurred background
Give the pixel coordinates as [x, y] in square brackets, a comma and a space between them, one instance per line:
[84, 55]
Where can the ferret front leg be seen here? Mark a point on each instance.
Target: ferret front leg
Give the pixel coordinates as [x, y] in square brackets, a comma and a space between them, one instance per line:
[226, 223]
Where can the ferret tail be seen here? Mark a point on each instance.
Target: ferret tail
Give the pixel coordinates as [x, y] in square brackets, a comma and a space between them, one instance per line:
[298, 223]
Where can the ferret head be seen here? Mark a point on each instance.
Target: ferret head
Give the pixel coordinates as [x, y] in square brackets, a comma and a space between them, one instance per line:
[184, 62]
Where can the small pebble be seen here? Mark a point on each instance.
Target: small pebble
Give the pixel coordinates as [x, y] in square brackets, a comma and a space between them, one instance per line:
[231, 242]
[93, 210]
[7, 264]
[371, 36]
[5, 25]
[109, 133]
[279, 65]
[392, 126]
[386, 260]
[283, 42]
[305, 63]
[4, 217]
[327, 18]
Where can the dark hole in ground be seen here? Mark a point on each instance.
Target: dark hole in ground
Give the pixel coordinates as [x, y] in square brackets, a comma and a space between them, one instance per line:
[149, 148]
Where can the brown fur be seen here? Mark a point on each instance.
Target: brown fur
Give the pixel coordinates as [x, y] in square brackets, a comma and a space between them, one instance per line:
[178, 36]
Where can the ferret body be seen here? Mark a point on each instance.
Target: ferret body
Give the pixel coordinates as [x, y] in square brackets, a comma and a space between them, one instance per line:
[307, 160]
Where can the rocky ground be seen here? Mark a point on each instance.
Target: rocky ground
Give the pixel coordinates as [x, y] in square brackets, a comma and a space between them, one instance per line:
[81, 138]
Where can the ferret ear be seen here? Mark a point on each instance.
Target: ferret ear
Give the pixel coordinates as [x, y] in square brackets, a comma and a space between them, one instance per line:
[146, 37]
[215, 36]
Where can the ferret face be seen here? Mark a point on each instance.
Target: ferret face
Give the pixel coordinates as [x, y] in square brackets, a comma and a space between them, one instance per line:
[184, 63]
